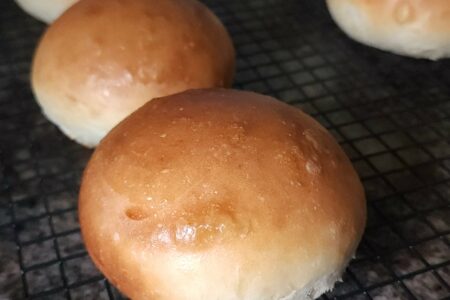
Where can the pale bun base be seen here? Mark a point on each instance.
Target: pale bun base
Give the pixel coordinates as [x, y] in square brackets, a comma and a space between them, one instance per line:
[215, 276]
[419, 29]
[221, 194]
[316, 289]
[82, 123]
[45, 10]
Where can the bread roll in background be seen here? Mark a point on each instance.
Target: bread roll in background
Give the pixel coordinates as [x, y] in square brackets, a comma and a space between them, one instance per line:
[101, 60]
[221, 194]
[45, 10]
[416, 28]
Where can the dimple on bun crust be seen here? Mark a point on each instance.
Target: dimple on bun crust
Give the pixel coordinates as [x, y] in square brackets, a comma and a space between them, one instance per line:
[221, 194]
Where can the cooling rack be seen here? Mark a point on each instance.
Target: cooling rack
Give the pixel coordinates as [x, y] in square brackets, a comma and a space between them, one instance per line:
[390, 114]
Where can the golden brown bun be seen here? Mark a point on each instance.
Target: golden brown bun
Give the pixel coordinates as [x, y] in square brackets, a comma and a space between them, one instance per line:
[45, 10]
[103, 59]
[417, 28]
[221, 194]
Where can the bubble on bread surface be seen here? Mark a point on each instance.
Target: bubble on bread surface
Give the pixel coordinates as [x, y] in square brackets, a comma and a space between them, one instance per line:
[161, 235]
[309, 135]
[198, 226]
[404, 13]
[313, 167]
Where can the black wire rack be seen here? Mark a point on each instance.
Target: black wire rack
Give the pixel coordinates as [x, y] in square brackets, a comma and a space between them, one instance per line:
[390, 114]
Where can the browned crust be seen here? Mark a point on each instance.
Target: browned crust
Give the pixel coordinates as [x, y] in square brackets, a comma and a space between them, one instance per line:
[249, 175]
[103, 59]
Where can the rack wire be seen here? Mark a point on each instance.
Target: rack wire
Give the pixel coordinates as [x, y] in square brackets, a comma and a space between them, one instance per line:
[391, 115]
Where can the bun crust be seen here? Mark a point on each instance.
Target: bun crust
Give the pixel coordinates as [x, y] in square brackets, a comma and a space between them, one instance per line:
[221, 194]
[101, 61]
[416, 28]
[46, 11]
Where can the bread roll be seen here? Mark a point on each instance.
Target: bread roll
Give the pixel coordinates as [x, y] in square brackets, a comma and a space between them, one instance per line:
[103, 59]
[45, 10]
[416, 28]
[221, 194]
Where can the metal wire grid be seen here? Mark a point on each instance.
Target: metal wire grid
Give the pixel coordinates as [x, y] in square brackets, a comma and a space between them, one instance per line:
[390, 114]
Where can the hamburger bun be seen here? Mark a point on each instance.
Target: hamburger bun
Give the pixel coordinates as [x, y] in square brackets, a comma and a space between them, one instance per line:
[102, 60]
[45, 10]
[416, 28]
[221, 194]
